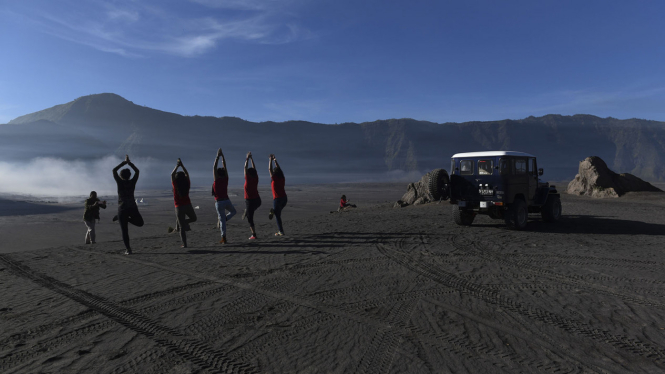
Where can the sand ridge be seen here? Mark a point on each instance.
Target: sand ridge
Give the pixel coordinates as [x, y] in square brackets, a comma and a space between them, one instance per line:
[374, 290]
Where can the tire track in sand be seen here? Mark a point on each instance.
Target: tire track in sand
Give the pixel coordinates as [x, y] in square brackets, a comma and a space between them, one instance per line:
[194, 351]
[490, 296]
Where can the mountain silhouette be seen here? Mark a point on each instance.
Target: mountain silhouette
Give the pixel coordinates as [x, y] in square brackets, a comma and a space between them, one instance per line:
[98, 125]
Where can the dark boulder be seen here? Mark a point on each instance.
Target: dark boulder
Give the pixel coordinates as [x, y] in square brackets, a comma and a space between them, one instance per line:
[416, 193]
[595, 179]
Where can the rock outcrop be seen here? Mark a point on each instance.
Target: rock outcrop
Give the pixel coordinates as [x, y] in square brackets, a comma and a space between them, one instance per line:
[416, 193]
[595, 179]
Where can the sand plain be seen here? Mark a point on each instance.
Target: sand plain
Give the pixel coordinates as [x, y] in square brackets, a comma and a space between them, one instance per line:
[373, 290]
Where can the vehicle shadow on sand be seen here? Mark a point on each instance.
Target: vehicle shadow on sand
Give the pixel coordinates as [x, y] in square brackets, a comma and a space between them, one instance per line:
[589, 224]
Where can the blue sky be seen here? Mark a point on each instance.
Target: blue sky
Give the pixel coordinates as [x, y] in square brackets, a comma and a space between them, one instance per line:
[338, 61]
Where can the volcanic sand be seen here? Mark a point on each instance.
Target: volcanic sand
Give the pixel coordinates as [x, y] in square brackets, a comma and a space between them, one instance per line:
[372, 290]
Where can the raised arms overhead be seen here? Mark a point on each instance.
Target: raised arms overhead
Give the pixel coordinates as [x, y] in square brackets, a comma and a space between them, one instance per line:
[214, 167]
[131, 165]
[184, 169]
[249, 154]
[177, 165]
[276, 164]
[115, 169]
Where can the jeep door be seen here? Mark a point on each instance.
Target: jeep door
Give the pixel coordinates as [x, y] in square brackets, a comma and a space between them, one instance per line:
[517, 182]
[532, 171]
[463, 186]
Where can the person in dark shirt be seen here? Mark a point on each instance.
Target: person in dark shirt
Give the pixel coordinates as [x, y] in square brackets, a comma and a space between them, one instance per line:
[219, 189]
[252, 198]
[128, 212]
[91, 213]
[278, 194]
[184, 211]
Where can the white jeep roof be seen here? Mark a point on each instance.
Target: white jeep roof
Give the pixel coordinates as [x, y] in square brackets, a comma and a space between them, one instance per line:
[492, 154]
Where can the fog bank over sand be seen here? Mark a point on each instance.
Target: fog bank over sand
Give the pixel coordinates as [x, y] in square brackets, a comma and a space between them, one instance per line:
[56, 177]
[61, 180]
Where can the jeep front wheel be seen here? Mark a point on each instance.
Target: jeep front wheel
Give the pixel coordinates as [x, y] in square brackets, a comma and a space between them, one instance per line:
[552, 209]
[517, 215]
[438, 184]
[463, 217]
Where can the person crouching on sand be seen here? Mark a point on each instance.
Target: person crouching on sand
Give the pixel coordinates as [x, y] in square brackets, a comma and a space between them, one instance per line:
[128, 212]
[278, 194]
[91, 213]
[184, 211]
[252, 198]
[220, 188]
[344, 203]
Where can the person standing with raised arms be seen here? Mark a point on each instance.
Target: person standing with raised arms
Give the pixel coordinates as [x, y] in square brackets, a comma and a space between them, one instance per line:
[128, 212]
[184, 211]
[278, 194]
[220, 191]
[252, 198]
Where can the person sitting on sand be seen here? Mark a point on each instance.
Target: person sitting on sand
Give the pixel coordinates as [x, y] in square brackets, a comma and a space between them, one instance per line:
[252, 198]
[91, 213]
[184, 211]
[128, 212]
[344, 203]
[220, 188]
[278, 194]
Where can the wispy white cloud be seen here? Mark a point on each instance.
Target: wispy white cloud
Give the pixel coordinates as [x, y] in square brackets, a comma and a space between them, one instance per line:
[116, 14]
[240, 4]
[131, 28]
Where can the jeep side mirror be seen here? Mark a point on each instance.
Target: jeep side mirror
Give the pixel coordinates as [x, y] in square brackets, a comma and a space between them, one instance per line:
[540, 171]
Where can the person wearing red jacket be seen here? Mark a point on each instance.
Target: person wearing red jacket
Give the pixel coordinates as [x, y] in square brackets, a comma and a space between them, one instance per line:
[344, 203]
[184, 211]
[252, 198]
[278, 194]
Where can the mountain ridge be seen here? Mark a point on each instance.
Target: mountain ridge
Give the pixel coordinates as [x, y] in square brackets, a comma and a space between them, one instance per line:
[633, 145]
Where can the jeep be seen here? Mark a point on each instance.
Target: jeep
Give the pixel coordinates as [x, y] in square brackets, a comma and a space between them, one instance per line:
[502, 184]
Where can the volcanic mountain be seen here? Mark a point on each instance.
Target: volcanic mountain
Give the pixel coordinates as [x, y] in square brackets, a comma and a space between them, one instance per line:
[97, 125]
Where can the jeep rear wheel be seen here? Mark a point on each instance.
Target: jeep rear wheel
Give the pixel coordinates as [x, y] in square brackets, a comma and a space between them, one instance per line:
[517, 215]
[438, 184]
[552, 209]
[463, 217]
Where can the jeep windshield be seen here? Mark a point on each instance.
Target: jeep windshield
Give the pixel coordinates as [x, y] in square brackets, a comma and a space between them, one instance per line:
[485, 167]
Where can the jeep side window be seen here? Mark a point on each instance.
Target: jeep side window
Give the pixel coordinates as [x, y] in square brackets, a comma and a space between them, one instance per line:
[452, 166]
[466, 167]
[532, 166]
[520, 166]
[485, 167]
[504, 166]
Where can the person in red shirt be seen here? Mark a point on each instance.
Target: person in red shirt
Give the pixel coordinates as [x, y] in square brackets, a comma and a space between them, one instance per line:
[252, 198]
[344, 203]
[184, 211]
[278, 194]
[220, 191]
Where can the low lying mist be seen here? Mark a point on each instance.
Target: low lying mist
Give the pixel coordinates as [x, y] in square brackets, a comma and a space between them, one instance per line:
[60, 180]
